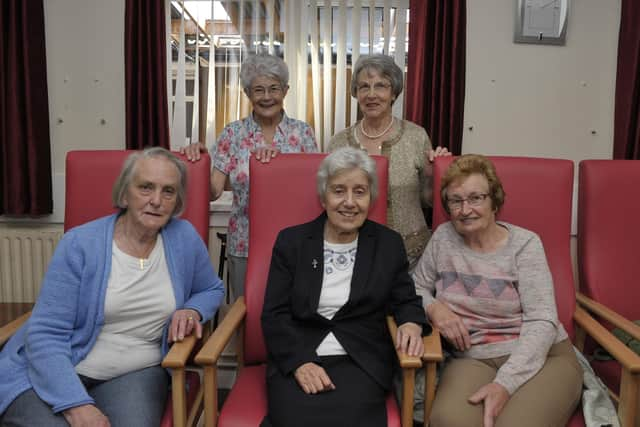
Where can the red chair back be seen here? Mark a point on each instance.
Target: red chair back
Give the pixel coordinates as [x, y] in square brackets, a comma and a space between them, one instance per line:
[539, 198]
[283, 193]
[608, 242]
[90, 175]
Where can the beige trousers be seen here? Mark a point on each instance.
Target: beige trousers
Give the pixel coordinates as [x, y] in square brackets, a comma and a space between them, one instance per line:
[546, 400]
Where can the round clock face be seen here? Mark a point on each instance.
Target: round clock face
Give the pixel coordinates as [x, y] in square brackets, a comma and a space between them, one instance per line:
[541, 21]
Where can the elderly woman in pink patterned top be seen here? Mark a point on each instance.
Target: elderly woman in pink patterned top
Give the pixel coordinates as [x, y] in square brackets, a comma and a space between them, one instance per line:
[487, 286]
[265, 132]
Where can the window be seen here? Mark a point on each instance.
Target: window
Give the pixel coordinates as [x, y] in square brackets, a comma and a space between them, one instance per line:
[209, 39]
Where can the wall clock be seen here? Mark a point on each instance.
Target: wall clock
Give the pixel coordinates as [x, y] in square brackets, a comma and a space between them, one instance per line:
[541, 21]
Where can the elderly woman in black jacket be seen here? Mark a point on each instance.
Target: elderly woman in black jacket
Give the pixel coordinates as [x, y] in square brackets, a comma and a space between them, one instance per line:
[331, 283]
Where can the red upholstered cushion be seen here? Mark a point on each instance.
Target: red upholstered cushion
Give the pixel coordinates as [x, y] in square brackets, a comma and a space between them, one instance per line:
[246, 404]
[283, 193]
[577, 419]
[607, 242]
[90, 175]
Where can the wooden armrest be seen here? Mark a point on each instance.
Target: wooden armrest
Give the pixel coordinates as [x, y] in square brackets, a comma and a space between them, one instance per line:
[405, 360]
[433, 347]
[609, 315]
[10, 328]
[216, 343]
[614, 346]
[179, 353]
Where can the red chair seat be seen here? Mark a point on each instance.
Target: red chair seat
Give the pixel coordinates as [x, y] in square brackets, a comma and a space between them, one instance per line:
[577, 420]
[250, 387]
[610, 372]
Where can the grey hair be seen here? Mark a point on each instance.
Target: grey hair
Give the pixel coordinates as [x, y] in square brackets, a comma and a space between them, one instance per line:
[128, 168]
[346, 159]
[384, 65]
[263, 65]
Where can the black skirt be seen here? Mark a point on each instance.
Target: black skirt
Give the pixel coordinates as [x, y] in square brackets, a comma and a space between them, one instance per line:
[358, 400]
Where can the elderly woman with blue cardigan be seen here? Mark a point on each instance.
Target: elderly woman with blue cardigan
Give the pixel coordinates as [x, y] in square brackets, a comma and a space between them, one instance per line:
[117, 292]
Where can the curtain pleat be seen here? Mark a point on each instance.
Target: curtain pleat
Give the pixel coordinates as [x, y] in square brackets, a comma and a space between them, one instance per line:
[25, 155]
[626, 130]
[145, 74]
[436, 70]
[179, 124]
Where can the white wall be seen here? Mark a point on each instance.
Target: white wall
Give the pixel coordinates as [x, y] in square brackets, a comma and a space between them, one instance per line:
[540, 100]
[85, 75]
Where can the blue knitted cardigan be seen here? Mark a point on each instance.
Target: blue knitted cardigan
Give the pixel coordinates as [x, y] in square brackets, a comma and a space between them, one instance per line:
[69, 312]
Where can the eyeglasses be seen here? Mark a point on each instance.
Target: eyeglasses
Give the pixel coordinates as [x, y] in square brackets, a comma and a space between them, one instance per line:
[379, 87]
[261, 91]
[473, 200]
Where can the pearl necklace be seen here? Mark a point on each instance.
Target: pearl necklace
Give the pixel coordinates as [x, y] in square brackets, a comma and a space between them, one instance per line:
[378, 135]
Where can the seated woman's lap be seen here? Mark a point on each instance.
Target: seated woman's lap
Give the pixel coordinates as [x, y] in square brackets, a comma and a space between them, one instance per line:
[358, 399]
[549, 398]
[134, 399]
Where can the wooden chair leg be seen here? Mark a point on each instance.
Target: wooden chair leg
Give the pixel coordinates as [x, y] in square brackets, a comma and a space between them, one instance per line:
[429, 390]
[408, 385]
[196, 409]
[179, 397]
[211, 396]
[628, 404]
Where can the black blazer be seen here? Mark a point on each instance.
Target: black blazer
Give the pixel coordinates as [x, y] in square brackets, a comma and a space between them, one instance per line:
[381, 284]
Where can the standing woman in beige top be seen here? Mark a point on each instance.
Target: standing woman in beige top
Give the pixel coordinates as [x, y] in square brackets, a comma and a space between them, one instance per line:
[377, 83]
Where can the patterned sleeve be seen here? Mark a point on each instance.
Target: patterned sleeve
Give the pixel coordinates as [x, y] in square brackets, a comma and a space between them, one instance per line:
[221, 152]
[539, 317]
[309, 144]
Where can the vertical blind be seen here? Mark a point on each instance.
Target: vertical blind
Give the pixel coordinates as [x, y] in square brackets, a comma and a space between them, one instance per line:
[318, 39]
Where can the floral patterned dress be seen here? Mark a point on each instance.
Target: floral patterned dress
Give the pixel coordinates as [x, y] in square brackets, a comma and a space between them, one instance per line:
[231, 156]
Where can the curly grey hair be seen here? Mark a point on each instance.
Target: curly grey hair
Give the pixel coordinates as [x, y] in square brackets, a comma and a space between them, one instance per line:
[345, 159]
[128, 168]
[384, 65]
[263, 65]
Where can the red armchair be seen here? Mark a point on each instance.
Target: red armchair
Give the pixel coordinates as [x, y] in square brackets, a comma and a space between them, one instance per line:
[538, 197]
[89, 178]
[283, 193]
[608, 263]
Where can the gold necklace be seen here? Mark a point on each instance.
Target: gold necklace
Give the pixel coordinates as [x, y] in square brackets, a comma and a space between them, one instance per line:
[145, 252]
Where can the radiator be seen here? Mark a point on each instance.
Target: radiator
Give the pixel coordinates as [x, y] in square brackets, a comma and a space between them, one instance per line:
[24, 255]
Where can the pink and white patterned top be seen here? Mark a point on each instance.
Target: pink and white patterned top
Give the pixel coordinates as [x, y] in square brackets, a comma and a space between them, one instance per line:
[504, 298]
[231, 156]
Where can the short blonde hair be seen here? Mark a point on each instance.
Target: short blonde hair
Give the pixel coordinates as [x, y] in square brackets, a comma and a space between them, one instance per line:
[470, 164]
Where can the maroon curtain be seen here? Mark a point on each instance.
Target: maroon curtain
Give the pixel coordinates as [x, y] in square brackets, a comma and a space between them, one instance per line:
[436, 72]
[145, 74]
[626, 133]
[25, 156]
